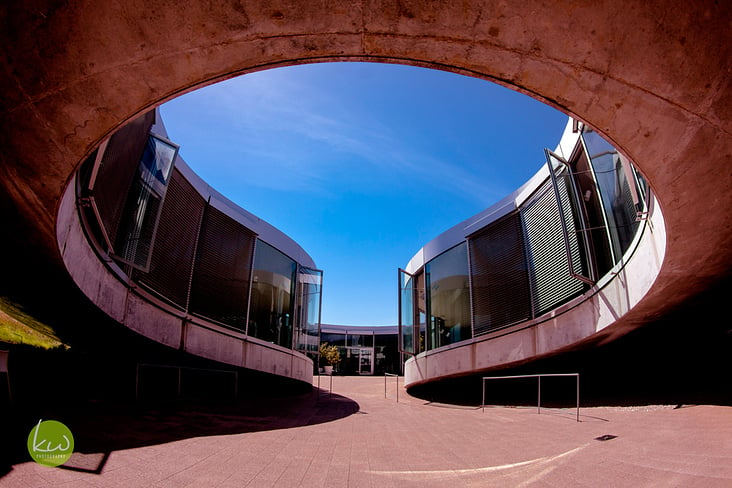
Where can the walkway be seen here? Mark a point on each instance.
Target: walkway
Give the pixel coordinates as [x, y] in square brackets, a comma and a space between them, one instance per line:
[358, 438]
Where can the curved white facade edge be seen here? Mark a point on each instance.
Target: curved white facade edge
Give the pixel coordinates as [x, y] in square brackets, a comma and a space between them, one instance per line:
[563, 328]
[141, 311]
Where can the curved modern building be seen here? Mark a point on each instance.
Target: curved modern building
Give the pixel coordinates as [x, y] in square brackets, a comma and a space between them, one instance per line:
[164, 254]
[547, 269]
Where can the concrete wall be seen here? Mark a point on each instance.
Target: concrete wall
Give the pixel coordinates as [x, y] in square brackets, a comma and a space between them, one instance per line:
[653, 80]
[147, 316]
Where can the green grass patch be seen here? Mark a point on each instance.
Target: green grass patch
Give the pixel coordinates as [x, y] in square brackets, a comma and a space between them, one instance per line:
[18, 327]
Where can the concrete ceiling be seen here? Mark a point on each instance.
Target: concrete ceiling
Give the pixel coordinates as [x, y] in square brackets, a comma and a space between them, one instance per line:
[654, 80]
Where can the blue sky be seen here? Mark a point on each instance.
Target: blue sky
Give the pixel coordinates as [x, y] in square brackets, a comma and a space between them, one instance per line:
[361, 163]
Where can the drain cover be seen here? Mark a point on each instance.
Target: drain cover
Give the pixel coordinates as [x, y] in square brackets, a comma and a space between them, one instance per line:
[605, 437]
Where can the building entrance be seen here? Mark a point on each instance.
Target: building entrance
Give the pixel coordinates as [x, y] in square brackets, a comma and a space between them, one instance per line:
[359, 360]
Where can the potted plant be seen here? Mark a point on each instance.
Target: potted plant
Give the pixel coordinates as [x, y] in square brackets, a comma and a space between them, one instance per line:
[330, 355]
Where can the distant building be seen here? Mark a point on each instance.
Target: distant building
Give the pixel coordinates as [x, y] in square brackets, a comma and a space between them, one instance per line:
[364, 350]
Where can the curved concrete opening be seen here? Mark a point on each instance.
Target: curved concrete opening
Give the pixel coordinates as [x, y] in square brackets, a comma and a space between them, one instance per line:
[656, 85]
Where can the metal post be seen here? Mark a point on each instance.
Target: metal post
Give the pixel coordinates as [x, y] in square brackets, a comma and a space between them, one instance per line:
[482, 398]
[577, 397]
[538, 401]
[397, 384]
[331, 386]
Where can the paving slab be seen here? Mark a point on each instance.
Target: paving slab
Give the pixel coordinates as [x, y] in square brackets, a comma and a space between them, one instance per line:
[359, 438]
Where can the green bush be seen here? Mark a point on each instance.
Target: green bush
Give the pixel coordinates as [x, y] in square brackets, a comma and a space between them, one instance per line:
[329, 354]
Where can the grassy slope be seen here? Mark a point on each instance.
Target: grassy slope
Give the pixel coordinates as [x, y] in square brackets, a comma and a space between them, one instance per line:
[17, 327]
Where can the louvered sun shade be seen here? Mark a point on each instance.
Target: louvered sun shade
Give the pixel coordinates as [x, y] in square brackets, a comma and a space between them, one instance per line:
[172, 255]
[551, 281]
[501, 294]
[220, 289]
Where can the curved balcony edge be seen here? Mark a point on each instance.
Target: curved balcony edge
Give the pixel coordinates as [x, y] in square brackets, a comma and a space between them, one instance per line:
[600, 314]
[140, 311]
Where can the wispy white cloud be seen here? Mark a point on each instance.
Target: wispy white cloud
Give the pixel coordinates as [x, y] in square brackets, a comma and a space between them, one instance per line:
[290, 133]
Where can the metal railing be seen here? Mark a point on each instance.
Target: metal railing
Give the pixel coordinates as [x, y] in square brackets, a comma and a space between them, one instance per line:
[180, 374]
[539, 376]
[397, 384]
[330, 391]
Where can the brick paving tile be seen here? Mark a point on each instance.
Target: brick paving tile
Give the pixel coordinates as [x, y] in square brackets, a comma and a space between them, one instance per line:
[358, 438]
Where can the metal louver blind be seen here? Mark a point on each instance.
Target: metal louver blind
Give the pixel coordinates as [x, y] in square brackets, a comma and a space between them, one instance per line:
[220, 288]
[501, 293]
[118, 169]
[551, 282]
[629, 222]
[172, 255]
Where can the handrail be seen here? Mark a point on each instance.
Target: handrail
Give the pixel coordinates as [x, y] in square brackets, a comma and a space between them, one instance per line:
[576, 375]
[397, 384]
[330, 391]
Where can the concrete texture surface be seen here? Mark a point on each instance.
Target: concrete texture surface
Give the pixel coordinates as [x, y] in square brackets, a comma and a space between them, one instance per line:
[654, 80]
[358, 438]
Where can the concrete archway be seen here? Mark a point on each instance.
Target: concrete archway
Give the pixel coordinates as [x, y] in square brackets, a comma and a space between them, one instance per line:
[654, 81]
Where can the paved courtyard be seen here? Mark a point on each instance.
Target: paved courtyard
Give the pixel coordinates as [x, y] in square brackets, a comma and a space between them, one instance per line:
[358, 438]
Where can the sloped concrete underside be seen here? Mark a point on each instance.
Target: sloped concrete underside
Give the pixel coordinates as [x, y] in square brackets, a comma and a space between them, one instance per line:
[654, 81]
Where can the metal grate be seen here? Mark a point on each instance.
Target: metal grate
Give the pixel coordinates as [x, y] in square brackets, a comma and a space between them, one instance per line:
[551, 281]
[501, 293]
[220, 288]
[172, 256]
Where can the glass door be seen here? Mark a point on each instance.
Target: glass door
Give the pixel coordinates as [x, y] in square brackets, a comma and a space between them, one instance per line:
[365, 361]
[407, 325]
[309, 296]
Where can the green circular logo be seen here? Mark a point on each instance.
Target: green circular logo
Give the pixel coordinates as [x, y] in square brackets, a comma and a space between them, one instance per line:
[50, 443]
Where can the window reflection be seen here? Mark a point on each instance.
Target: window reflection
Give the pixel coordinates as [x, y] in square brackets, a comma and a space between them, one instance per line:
[449, 297]
[271, 310]
[144, 203]
[615, 191]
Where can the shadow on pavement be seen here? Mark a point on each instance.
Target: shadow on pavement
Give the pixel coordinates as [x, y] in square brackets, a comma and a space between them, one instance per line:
[102, 428]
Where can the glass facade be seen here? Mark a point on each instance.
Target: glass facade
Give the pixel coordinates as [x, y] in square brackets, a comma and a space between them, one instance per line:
[271, 310]
[179, 244]
[406, 313]
[447, 283]
[614, 180]
[144, 201]
[387, 358]
[310, 287]
[373, 351]
[559, 241]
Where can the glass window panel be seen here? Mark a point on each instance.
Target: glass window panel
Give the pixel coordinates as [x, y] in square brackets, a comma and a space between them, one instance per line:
[271, 310]
[449, 297]
[387, 357]
[157, 161]
[406, 312]
[310, 289]
[333, 339]
[420, 318]
[614, 187]
[360, 340]
[139, 220]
